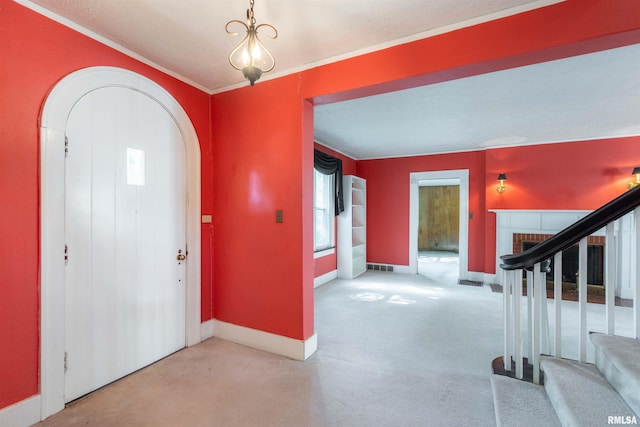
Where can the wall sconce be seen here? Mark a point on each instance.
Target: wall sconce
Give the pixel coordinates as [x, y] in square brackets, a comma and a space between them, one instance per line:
[251, 56]
[636, 172]
[502, 178]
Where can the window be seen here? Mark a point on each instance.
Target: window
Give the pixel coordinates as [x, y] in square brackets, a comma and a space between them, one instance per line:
[323, 216]
[135, 166]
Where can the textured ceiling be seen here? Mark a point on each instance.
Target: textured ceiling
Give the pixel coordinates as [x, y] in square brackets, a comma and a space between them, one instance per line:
[594, 96]
[188, 37]
[586, 97]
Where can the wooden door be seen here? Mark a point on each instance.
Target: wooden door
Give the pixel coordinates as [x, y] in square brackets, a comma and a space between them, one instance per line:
[439, 218]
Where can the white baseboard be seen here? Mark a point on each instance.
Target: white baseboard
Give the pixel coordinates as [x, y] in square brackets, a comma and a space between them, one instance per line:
[266, 341]
[325, 278]
[22, 414]
[491, 278]
[402, 269]
[206, 330]
[626, 293]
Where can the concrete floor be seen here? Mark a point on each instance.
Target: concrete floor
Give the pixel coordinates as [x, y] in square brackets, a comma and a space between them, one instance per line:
[393, 350]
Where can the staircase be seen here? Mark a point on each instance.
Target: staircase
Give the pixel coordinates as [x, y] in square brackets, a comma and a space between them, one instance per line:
[576, 393]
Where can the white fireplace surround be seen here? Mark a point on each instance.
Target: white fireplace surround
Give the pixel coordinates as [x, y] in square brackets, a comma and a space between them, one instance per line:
[511, 221]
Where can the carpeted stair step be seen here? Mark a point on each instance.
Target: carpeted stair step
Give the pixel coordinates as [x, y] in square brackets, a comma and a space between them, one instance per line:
[579, 394]
[618, 359]
[518, 403]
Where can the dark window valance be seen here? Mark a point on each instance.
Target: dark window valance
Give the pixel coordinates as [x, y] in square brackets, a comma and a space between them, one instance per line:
[329, 165]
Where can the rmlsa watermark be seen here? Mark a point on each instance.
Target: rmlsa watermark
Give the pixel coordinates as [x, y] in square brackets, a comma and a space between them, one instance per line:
[622, 419]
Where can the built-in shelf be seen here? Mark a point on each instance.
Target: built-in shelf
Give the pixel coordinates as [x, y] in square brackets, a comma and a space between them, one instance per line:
[352, 229]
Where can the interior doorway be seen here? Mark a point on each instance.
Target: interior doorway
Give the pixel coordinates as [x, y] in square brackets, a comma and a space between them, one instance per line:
[439, 229]
[459, 179]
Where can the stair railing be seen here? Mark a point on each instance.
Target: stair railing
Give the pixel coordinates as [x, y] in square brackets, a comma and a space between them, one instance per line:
[535, 261]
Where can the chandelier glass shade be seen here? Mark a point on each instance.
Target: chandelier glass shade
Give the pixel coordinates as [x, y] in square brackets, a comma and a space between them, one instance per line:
[251, 56]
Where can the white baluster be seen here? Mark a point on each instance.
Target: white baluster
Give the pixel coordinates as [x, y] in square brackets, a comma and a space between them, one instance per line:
[529, 315]
[636, 290]
[557, 296]
[582, 299]
[506, 317]
[517, 301]
[610, 281]
[537, 311]
[544, 314]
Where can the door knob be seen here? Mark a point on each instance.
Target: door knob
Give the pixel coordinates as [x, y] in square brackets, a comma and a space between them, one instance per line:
[181, 256]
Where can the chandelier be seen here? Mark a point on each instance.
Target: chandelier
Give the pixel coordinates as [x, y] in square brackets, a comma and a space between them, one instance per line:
[251, 56]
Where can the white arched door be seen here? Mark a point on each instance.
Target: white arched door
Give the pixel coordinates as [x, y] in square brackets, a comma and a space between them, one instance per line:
[124, 231]
[58, 109]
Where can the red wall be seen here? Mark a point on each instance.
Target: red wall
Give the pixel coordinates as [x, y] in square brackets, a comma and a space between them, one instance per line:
[258, 169]
[571, 175]
[329, 263]
[35, 54]
[388, 203]
[266, 295]
[259, 158]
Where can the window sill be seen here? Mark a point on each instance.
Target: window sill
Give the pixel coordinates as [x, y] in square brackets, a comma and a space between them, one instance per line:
[324, 252]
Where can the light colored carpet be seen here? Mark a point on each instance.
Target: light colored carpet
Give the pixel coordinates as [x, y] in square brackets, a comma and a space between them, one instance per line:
[519, 404]
[440, 266]
[394, 350]
[618, 360]
[580, 395]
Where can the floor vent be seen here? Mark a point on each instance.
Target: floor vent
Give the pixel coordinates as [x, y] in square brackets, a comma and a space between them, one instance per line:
[469, 282]
[379, 267]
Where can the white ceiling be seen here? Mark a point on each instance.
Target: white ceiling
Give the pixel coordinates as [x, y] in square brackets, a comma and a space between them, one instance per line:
[587, 97]
[566, 100]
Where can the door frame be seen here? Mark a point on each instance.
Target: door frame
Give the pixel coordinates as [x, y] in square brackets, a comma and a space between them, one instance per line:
[53, 121]
[462, 175]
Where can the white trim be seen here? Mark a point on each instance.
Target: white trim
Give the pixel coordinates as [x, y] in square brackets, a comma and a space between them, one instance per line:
[207, 330]
[324, 252]
[493, 147]
[22, 414]
[271, 76]
[510, 221]
[579, 213]
[53, 123]
[491, 278]
[551, 221]
[408, 39]
[266, 341]
[414, 178]
[107, 42]
[310, 346]
[325, 145]
[404, 269]
[325, 278]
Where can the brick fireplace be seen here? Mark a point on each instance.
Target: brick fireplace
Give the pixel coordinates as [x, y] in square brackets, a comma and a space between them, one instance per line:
[517, 228]
[519, 240]
[595, 256]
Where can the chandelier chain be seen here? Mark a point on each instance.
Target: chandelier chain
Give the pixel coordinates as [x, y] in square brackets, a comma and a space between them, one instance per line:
[250, 17]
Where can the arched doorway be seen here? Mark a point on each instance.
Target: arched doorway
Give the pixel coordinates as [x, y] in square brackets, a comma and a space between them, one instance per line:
[54, 121]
